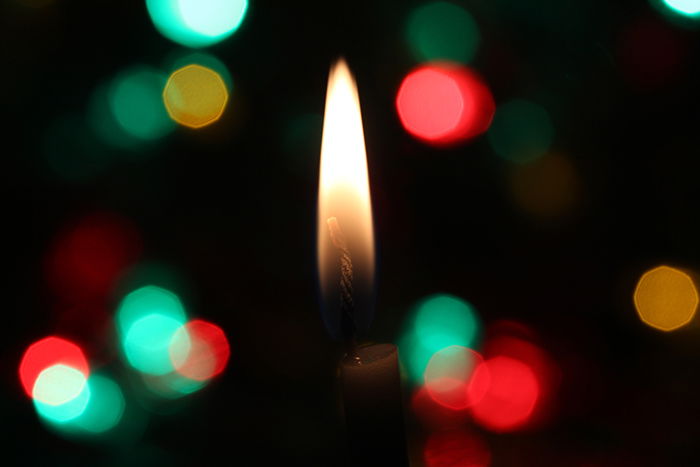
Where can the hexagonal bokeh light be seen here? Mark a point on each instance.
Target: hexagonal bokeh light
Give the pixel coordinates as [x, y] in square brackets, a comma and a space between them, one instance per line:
[195, 96]
[666, 298]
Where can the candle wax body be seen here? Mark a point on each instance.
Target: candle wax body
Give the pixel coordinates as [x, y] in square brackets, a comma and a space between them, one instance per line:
[372, 402]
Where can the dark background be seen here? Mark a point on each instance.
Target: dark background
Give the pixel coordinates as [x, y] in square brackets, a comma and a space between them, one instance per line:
[232, 207]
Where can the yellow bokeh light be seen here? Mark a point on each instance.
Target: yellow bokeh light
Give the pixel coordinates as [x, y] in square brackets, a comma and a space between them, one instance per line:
[666, 298]
[195, 96]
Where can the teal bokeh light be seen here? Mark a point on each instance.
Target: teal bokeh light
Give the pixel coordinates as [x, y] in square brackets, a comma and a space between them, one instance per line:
[689, 8]
[439, 321]
[521, 131]
[147, 300]
[105, 408]
[197, 23]
[137, 106]
[147, 343]
[67, 411]
[442, 31]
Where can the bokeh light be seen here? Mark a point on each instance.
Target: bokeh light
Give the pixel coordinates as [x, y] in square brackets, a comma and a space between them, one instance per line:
[512, 394]
[199, 350]
[105, 408]
[456, 448]
[449, 377]
[180, 60]
[148, 340]
[547, 188]
[171, 385]
[666, 298]
[61, 393]
[442, 31]
[58, 384]
[689, 8]
[197, 23]
[195, 96]
[443, 104]
[46, 353]
[521, 131]
[147, 300]
[438, 321]
[89, 255]
[136, 104]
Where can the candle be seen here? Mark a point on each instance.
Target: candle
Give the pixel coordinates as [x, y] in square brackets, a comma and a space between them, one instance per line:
[369, 374]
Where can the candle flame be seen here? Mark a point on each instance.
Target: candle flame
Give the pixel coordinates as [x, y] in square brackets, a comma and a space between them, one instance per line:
[344, 194]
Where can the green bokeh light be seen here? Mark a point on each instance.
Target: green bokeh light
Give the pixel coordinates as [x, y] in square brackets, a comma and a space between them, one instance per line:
[442, 31]
[68, 410]
[439, 321]
[147, 300]
[172, 385]
[147, 343]
[136, 104]
[521, 131]
[197, 23]
[105, 408]
[690, 8]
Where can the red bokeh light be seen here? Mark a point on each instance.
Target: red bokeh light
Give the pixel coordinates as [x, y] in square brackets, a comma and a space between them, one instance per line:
[511, 397]
[48, 352]
[443, 104]
[449, 378]
[456, 449]
[88, 257]
[209, 351]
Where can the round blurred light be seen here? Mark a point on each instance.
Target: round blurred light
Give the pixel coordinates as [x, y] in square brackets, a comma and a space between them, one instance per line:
[457, 448]
[521, 131]
[172, 385]
[58, 384]
[199, 350]
[88, 256]
[449, 377]
[135, 101]
[442, 31]
[46, 353]
[148, 300]
[512, 393]
[197, 23]
[444, 104]
[203, 59]
[147, 343]
[666, 298]
[195, 96]
[684, 7]
[105, 407]
[439, 321]
[61, 393]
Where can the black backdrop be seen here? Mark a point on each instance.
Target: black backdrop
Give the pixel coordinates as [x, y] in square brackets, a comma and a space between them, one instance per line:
[232, 207]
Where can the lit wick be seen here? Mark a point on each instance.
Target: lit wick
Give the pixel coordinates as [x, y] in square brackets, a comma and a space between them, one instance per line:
[348, 326]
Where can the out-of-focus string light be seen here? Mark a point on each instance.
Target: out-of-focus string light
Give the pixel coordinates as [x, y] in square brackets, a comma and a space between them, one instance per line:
[521, 131]
[147, 300]
[62, 394]
[195, 96]
[49, 352]
[449, 377]
[438, 321]
[687, 8]
[147, 343]
[442, 31]
[203, 59]
[512, 394]
[456, 448]
[136, 104]
[443, 104]
[199, 350]
[666, 298]
[89, 255]
[105, 408]
[197, 23]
